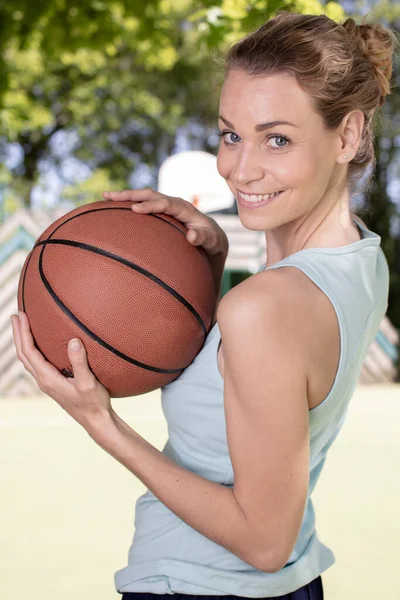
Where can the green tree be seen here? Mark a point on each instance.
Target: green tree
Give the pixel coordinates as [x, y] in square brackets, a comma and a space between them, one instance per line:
[381, 211]
[124, 77]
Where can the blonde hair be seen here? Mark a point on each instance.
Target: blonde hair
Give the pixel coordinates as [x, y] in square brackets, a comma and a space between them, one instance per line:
[342, 67]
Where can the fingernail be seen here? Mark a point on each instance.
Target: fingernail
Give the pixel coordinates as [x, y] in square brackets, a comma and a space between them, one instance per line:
[74, 344]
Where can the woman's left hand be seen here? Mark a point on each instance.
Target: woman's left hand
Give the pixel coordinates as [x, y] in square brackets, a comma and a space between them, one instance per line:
[83, 396]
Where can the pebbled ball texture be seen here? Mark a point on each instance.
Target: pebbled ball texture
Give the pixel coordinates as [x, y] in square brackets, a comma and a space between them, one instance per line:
[130, 286]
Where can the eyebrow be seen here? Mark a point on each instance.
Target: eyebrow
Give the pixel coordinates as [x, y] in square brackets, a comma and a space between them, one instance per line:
[260, 126]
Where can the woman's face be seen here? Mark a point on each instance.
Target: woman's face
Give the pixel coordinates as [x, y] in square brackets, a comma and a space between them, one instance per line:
[297, 158]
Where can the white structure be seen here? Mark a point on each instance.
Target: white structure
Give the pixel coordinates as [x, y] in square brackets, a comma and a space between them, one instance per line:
[193, 176]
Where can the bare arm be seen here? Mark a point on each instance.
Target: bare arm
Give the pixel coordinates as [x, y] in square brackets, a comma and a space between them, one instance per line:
[265, 396]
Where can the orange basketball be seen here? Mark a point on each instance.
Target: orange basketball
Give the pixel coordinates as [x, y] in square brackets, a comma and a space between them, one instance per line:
[130, 286]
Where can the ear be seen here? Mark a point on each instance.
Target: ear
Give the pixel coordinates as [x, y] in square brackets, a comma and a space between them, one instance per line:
[350, 134]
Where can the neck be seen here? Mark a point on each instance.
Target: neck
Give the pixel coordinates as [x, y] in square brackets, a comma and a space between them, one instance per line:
[328, 224]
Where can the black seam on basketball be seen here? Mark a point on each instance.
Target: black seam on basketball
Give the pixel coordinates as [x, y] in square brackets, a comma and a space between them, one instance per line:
[89, 332]
[23, 282]
[75, 319]
[155, 216]
[159, 217]
[86, 212]
[131, 265]
[199, 248]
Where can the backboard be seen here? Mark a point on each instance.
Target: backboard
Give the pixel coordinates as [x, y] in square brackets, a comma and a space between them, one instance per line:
[193, 176]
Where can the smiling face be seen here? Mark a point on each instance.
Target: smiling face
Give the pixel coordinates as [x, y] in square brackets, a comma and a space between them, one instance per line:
[296, 158]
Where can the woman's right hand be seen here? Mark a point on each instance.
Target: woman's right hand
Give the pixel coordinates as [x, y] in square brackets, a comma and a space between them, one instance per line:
[202, 230]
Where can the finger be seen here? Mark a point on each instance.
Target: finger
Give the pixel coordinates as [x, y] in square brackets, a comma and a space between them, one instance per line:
[84, 380]
[153, 205]
[15, 324]
[45, 372]
[207, 238]
[169, 205]
[195, 237]
[123, 195]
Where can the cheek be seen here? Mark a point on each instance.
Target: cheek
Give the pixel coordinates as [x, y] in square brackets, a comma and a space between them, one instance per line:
[226, 161]
[222, 163]
[316, 162]
[301, 169]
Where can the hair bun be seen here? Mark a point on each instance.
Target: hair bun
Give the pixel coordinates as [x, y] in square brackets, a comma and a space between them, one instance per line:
[377, 44]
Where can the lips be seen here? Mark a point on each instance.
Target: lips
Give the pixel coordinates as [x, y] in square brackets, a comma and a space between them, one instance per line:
[256, 204]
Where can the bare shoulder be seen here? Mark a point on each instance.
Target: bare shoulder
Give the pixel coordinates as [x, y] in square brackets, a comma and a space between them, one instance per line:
[285, 293]
[300, 313]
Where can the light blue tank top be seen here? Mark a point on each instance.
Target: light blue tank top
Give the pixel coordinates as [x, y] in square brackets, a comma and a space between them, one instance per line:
[167, 556]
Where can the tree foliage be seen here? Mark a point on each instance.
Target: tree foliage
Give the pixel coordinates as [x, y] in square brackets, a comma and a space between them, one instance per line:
[122, 77]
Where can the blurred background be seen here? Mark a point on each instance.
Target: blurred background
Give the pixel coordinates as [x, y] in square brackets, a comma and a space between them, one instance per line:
[118, 94]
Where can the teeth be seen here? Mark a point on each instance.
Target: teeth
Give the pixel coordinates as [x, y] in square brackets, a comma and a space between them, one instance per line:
[257, 197]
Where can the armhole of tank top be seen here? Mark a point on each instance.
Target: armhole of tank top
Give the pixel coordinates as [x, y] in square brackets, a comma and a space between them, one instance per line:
[308, 271]
[342, 333]
[214, 343]
[317, 410]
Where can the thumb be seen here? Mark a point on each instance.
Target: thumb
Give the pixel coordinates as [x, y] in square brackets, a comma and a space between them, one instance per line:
[78, 358]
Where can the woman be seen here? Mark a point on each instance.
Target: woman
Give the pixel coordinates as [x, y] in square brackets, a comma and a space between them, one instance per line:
[228, 511]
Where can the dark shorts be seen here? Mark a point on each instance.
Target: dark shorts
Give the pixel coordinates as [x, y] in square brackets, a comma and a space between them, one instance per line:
[311, 591]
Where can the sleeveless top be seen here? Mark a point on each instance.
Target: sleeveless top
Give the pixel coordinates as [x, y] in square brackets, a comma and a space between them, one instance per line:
[168, 556]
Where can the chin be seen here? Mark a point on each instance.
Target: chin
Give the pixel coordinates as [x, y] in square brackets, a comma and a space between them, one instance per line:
[255, 222]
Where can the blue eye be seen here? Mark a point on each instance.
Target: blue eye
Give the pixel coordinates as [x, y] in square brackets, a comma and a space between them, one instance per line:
[221, 134]
[279, 137]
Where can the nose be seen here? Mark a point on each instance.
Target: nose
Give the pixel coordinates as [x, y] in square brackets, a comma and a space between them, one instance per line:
[247, 167]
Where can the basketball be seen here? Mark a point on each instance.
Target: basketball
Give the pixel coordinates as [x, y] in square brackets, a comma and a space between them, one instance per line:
[130, 286]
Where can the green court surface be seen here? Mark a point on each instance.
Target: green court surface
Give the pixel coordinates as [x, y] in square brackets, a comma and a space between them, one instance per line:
[67, 507]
